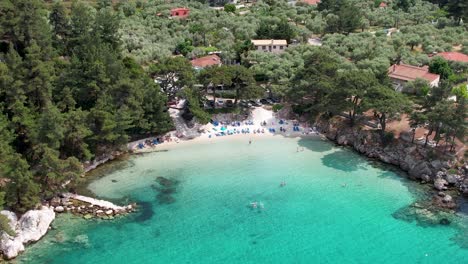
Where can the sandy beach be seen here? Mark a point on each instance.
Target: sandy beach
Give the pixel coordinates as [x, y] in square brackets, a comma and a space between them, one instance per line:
[261, 123]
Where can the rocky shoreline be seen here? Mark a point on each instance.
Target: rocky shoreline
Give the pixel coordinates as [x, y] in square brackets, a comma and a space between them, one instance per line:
[88, 207]
[34, 224]
[421, 164]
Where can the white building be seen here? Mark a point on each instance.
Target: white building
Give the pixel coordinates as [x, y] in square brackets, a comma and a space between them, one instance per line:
[270, 45]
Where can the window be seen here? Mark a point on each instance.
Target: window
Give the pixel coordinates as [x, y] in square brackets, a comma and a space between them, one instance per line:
[264, 47]
[281, 47]
[274, 47]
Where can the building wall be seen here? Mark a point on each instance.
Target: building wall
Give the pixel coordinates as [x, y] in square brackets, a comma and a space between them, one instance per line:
[399, 85]
[272, 48]
[435, 83]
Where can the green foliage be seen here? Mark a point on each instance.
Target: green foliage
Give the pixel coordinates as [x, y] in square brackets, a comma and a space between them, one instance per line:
[419, 87]
[173, 74]
[276, 30]
[440, 66]
[230, 8]
[277, 107]
[67, 95]
[5, 225]
[194, 100]
[461, 91]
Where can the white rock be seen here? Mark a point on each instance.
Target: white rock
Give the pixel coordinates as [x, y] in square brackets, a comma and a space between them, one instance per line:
[99, 211]
[439, 184]
[109, 212]
[30, 228]
[447, 198]
[59, 209]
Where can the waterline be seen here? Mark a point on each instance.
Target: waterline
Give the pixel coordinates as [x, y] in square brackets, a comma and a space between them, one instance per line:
[336, 207]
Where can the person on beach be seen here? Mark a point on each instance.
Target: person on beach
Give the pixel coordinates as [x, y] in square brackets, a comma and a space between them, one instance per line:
[250, 141]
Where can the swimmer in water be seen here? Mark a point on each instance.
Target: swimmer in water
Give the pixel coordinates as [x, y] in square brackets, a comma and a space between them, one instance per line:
[250, 141]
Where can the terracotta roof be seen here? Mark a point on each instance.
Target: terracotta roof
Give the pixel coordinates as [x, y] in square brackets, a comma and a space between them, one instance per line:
[410, 73]
[454, 56]
[310, 2]
[268, 42]
[206, 61]
[383, 4]
[180, 9]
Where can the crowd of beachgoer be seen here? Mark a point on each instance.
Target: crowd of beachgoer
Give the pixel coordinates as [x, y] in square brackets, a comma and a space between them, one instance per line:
[221, 128]
[227, 128]
[153, 142]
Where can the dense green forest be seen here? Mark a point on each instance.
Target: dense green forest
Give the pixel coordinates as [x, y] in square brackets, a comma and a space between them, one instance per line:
[77, 77]
[67, 95]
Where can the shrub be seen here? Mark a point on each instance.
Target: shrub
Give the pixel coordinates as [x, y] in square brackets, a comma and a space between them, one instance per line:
[230, 8]
[277, 107]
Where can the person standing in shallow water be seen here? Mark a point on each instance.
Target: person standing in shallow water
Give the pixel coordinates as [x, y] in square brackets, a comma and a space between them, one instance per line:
[250, 141]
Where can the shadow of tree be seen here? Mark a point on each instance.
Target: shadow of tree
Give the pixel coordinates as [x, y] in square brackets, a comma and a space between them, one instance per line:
[343, 160]
[316, 145]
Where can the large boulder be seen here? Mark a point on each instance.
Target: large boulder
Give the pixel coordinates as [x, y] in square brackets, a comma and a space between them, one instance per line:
[440, 184]
[464, 187]
[31, 227]
[421, 168]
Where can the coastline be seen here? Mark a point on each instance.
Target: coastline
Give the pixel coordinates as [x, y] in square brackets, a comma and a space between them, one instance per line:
[441, 199]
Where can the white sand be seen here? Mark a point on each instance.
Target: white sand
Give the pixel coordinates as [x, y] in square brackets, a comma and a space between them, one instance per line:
[258, 116]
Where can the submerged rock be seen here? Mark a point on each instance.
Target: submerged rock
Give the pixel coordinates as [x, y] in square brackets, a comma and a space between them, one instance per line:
[444, 221]
[164, 181]
[165, 199]
[88, 216]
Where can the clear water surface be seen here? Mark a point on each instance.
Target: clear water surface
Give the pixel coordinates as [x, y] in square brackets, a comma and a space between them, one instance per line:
[336, 207]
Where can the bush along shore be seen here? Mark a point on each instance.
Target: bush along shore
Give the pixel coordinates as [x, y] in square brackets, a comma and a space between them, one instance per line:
[448, 176]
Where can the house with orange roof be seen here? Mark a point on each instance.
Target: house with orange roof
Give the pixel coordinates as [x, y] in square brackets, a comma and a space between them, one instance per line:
[454, 56]
[206, 61]
[400, 74]
[181, 12]
[310, 2]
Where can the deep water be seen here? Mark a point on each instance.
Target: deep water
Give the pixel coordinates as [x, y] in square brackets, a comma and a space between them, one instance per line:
[194, 207]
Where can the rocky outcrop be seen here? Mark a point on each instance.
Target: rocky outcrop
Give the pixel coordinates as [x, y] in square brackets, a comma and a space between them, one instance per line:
[419, 162]
[89, 166]
[88, 207]
[29, 228]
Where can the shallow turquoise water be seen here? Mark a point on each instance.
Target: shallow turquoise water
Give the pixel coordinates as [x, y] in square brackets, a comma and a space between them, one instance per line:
[335, 208]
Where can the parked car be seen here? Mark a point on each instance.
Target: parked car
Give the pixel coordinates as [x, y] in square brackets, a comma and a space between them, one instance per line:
[220, 103]
[210, 103]
[274, 100]
[229, 103]
[255, 102]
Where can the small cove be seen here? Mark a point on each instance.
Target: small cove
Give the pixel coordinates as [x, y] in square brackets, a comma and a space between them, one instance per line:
[336, 207]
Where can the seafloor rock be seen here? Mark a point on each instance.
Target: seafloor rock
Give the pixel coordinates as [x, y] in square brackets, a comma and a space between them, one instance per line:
[445, 201]
[164, 181]
[30, 228]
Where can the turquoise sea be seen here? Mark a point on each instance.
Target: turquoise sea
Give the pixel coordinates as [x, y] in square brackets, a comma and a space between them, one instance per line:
[336, 207]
